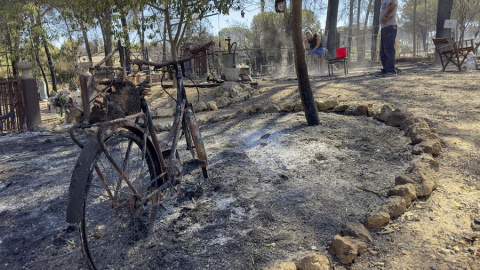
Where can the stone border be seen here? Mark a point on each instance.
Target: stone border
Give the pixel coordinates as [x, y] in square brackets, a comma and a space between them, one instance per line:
[419, 180]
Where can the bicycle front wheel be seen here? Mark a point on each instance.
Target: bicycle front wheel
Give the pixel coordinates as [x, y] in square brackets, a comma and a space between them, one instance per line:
[117, 217]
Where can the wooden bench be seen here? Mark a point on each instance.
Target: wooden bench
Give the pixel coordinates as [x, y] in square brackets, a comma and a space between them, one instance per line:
[453, 52]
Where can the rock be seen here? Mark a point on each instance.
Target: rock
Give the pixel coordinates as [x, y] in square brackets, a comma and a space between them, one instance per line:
[395, 206]
[360, 109]
[272, 108]
[255, 109]
[396, 118]
[357, 230]
[200, 106]
[384, 113]
[411, 121]
[212, 105]
[238, 91]
[164, 112]
[222, 102]
[346, 248]
[422, 174]
[406, 191]
[419, 132]
[429, 146]
[298, 107]
[376, 220]
[340, 108]
[287, 108]
[238, 99]
[224, 89]
[314, 261]
[329, 104]
[282, 266]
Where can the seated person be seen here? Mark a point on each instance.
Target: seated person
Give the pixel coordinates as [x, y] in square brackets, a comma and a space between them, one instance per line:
[316, 46]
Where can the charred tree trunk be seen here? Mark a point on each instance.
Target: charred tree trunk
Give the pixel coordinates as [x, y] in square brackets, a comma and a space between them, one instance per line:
[304, 87]
[332, 26]
[376, 26]
[443, 13]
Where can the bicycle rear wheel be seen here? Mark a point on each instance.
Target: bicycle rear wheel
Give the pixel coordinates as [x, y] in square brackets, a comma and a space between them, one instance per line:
[116, 220]
[194, 138]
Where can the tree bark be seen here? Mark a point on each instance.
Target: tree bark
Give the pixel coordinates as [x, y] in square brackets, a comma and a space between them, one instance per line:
[414, 28]
[350, 28]
[287, 17]
[50, 65]
[306, 94]
[443, 13]
[360, 35]
[370, 2]
[85, 40]
[44, 42]
[376, 26]
[332, 26]
[106, 26]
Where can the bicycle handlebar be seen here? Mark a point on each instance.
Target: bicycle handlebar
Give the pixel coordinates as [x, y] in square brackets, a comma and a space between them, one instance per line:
[193, 51]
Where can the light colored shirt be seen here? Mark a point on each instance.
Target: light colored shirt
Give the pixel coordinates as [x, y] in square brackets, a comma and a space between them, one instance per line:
[392, 18]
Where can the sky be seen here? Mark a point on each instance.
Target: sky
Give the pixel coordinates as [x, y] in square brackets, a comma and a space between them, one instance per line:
[222, 21]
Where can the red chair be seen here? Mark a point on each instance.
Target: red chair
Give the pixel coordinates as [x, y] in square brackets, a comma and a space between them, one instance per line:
[341, 58]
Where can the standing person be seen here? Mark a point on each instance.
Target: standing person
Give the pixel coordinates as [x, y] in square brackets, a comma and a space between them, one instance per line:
[316, 46]
[388, 23]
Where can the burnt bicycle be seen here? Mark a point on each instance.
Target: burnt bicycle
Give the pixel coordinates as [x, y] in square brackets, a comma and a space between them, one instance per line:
[124, 173]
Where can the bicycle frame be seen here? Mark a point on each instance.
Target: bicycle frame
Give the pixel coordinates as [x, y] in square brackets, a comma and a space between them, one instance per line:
[79, 178]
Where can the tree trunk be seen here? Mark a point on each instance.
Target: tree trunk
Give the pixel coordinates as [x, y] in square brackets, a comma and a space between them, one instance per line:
[42, 39]
[107, 33]
[376, 25]
[414, 27]
[370, 2]
[50, 65]
[350, 28]
[126, 36]
[306, 93]
[287, 16]
[37, 58]
[164, 43]
[332, 26]
[142, 30]
[360, 35]
[443, 13]
[85, 40]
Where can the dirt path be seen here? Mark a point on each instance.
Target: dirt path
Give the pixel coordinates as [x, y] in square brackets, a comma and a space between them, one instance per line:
[275, 180]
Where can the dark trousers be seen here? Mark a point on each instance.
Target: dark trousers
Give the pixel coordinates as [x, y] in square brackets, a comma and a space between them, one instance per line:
[387, 48]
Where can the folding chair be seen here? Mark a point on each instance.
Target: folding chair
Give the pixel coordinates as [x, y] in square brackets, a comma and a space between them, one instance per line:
[341, 58]
[455, 52]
